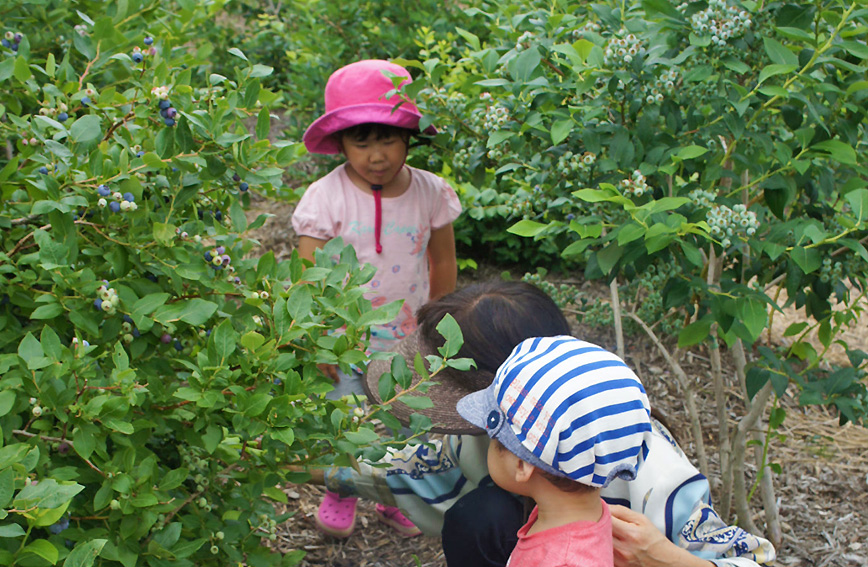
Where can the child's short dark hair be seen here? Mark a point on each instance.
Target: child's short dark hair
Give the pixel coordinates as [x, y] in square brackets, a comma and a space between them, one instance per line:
[565, 484]
[560, 482]
[361, 132]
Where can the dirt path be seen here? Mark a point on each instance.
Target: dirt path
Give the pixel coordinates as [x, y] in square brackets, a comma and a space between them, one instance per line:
[822, 489]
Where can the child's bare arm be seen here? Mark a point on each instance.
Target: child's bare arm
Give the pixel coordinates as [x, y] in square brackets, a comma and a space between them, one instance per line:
[441, 262]
[307, 245]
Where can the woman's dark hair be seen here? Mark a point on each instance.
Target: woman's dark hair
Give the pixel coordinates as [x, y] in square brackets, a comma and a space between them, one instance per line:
[494, 317]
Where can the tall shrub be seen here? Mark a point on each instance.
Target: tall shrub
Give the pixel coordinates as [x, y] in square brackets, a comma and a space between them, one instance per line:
[157, 382]
[721, 143]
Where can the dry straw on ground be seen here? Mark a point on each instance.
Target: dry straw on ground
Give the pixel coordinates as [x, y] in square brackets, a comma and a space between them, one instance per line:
[822, 489]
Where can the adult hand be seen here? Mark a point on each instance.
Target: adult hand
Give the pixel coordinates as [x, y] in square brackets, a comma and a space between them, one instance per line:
[638, 543]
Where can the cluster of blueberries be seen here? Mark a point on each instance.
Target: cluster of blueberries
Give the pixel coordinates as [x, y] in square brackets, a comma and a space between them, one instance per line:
[243, 186]
[11, 40]
[130, 332]
[168, 112]
[120, 202]
[107, 299]
[218, 257]
[218, 215]
[166, 338]
[138, 54]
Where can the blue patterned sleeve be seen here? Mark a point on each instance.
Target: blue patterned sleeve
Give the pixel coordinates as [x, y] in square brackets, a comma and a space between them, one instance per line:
[423, 481]
[676, 498]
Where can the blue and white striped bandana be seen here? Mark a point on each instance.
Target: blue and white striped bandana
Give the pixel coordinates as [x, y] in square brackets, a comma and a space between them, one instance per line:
[568, 407]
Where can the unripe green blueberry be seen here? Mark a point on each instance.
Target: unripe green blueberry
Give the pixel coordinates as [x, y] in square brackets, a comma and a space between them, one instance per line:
[37, 411]
[115, 505]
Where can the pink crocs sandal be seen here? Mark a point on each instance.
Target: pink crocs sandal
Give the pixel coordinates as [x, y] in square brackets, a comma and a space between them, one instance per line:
[393, 518]
[336, 516]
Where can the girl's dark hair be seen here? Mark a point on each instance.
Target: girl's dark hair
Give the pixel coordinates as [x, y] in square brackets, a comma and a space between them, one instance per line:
[494, 317]
[361, 132]
[565, 484]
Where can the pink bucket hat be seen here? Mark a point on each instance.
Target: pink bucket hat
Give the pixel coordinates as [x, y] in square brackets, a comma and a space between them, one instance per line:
[355, 94]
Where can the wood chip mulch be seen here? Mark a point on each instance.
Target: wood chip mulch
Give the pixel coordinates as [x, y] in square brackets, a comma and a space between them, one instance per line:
[822, 490]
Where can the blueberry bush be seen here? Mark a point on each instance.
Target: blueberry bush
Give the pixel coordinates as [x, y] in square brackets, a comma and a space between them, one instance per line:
[305, 40]
[715, 150]
[158, 380]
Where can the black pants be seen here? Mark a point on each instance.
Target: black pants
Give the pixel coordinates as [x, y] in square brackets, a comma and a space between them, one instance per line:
[480, 529]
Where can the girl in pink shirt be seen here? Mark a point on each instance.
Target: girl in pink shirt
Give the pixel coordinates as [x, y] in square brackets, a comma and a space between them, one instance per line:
[396, 217]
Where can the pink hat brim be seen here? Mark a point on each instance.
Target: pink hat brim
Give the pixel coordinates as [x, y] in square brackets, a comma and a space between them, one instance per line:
[318, 137]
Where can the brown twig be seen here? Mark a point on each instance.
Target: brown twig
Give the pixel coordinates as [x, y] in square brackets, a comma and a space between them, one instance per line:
[56, 440]
[89, 65]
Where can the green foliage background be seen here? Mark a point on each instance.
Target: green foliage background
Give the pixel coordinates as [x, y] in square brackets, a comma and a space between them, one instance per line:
[703, 168]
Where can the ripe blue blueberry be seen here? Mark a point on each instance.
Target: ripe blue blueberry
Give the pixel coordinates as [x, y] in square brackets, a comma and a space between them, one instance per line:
[136, 333]
[5, 42]
[208, 256]
[138, 57]
[97, 303]
[221, 249]
[62, 117]
[103, 191]
[219, 216]
[114, 206]
[85, 101]
[59, 526]
[171, 112]
[164, 104]
[244, 186]
[148, 40]
[178, 346]
[14, 47]
[128, 319]
[43, 170]
[169, 122]
[164, 113]
[236, 178]
[129, 197]
[140, 153]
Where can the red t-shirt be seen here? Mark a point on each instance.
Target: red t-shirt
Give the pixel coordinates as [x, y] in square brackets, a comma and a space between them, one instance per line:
[579, 544]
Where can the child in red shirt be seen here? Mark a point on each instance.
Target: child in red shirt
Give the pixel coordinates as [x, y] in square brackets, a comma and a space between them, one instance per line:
[565, 417]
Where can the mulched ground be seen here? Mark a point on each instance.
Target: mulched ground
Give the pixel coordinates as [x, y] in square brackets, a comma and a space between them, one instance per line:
[822, 490]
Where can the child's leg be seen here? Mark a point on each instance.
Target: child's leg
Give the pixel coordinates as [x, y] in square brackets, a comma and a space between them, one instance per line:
[337, 516]
[348, 385]
[480, 529]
